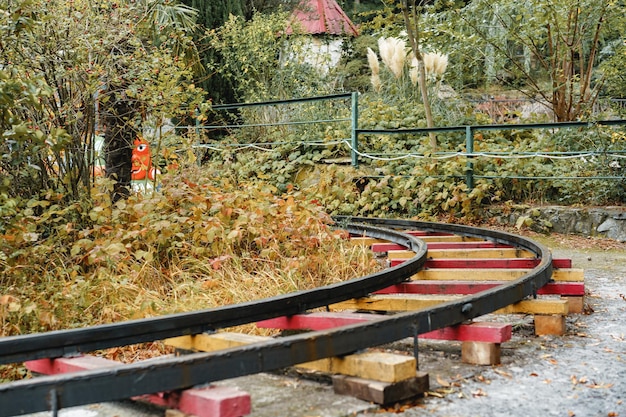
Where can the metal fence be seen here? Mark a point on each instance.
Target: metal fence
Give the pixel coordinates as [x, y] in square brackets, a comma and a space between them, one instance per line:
[280, 114]
[349, 116]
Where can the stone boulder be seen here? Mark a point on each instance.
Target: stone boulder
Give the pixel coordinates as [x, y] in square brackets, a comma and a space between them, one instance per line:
[607, 222]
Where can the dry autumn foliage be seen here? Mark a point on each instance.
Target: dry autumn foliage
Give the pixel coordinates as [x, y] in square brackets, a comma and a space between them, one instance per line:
[196, 244]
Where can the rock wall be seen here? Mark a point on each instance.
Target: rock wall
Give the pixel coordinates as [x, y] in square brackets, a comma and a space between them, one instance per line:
[607, 222]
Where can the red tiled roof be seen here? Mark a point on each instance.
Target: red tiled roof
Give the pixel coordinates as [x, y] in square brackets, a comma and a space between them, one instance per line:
[322, 17]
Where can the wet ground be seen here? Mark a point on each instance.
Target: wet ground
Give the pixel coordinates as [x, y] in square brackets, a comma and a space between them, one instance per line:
[580, 374]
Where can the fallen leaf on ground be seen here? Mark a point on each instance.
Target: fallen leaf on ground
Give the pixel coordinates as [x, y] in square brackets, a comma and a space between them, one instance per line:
[479, 393]
[482, 379]
[504, 374]
[442, 381]
[600, 386]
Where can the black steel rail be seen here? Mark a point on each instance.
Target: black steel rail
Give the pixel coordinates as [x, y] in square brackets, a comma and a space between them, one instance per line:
[124, 381]
[71, 342]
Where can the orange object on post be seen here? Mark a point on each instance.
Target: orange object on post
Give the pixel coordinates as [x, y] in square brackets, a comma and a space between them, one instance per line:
[142, 162]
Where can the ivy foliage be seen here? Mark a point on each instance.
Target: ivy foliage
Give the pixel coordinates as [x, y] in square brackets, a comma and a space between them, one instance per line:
[398, 177]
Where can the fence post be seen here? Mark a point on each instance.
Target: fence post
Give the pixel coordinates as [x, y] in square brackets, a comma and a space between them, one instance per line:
[469, 149]
[197, 114]
[355, 126]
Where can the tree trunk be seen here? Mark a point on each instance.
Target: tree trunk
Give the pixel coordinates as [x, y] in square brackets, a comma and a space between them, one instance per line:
[120, 133]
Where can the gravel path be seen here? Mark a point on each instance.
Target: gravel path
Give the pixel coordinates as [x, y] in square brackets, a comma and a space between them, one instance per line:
[580, 374]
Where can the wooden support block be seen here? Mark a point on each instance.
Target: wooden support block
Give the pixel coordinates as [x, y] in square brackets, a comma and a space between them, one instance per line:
[576, 303]
[367, 241]
[215, 402]
[549, 324]
[386, 247]
[175, 413]
[451, 238]
[377, 366]
[468, 253]
[537, 306]
[51, 366]
[380, 392]
[472, 287]
[392, 302]
[400, 254]
[479, 253]
[421, 233]
[211, 342]
[485, 332]
[432, 244]
[480, 353]
[487, 263]
[563, 288]
[476, 331]
[465, 245]
[212, 401]
[493, 274]
[425, 236]
[209, 401]
[470, 274]
[568, 275]
[503, 263]
[322, 320]
[410, 302]
[380, 366]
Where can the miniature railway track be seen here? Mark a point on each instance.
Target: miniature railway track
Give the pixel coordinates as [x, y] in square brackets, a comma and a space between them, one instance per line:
[124, 381]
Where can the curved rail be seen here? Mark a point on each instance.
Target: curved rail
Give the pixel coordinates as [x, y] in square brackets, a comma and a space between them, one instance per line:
[124, 381]
[71, 342]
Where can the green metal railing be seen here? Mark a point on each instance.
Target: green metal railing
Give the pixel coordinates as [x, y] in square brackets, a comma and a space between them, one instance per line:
[237, 106]
[469, 131]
